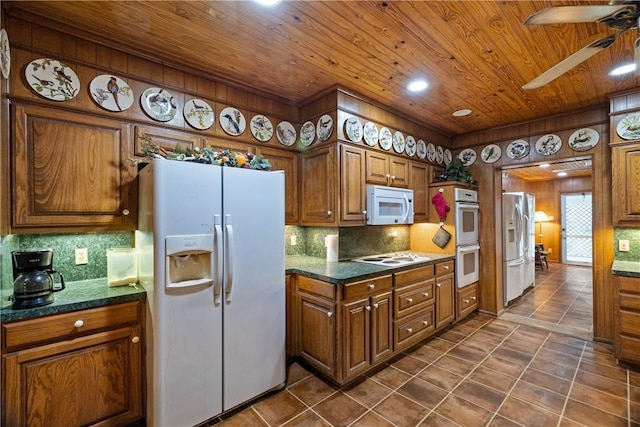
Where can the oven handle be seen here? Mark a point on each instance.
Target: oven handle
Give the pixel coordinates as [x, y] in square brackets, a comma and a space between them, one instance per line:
[467, 206]
[468, 248]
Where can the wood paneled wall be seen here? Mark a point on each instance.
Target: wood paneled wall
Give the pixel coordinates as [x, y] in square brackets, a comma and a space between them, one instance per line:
[489, 180]
[4, 149]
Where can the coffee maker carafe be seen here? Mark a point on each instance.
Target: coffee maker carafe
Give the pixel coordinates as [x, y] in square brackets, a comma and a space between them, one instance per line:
[32, 281]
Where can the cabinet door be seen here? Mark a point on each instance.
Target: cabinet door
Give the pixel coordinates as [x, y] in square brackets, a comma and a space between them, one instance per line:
[87, 380]
[377, 168]
[317, 332]
[381, 327]
[167, 139]
[352, 185]
[399, 171]
[419, 183]
[319, 187]
[71, 172]
[356, 321]
[286, 161]
[445, 298]
[626, 184]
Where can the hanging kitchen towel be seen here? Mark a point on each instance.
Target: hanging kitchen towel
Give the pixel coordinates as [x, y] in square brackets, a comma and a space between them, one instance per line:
[440, 204]
[441, 238]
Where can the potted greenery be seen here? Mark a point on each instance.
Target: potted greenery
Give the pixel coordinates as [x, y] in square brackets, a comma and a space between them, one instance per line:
[456, 171]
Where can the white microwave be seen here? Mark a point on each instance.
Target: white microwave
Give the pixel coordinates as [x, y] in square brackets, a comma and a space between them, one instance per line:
[389, 205]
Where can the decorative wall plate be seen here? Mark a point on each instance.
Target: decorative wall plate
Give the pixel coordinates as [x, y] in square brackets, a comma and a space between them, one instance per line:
[52, 79]
[410, 147]
[629, 127]
[583, 139]
[439, 155]
[370, 134]
[261, 128]
[5, 54]
[431, 152]
[286, 133]
[198, 114]
[448, 158]
[324, 128]
[353, 129]
[518, 149]
[111, 92]
[158, 104]
[385, 139]
[468, 156]
[548, 144]
[398, 142]
[307, 134]
[232, 121]
[421, 149]
[491, 153]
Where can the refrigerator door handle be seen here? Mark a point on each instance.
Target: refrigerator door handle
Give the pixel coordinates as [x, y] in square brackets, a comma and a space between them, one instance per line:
[217, 285]
[228, 258]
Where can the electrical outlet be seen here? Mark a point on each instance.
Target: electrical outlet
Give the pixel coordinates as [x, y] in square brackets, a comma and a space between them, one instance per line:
[82, 257]
[623, 245]
[294, 240]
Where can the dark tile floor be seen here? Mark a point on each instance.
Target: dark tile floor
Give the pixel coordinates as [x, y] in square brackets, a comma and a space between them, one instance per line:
[480, 371]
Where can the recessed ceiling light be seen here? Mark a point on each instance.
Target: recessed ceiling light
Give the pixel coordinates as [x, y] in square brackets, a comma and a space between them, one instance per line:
[562, 174]
[624, 69]
[461, 113]
[545, 165]
[268, 3]
[417, 85]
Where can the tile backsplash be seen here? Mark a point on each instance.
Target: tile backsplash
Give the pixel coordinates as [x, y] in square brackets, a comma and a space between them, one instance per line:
[633, 236]
[64, 246]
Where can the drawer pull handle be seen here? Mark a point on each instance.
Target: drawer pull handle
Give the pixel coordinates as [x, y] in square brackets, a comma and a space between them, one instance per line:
[135, 340]
[329, 313]
[466, 301]
[409, 300]
[473, 298]
[368, 308]
[409, 330]
[439, 285]
[446, 267]
[78, 324]
[371, 286]
[375, 305]
[425, 322]
[425, 294]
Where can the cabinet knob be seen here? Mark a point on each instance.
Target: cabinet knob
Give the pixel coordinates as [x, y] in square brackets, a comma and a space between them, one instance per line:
[425, 322]
[393, 177]
[409, 330]
[125, 212]
[329, 213]
[364, 212]
[329, 313]
[371, 286]
[375, 305]
[473, 298]
[78, 324]
[439, 285]
[368, 307]
[446, 267]
[466, 301]
[388, 176]
[135, 340]
[425, 294]
[409, 300]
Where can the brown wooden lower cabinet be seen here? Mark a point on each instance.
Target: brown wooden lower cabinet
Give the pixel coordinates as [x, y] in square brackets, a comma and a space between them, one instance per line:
[466, 300]
[627, 318]
[346, 330]
[80, 368]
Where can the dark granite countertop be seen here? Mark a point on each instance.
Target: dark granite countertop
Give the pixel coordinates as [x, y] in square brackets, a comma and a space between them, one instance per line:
[76, 296]
[347, 271]
[626, 268]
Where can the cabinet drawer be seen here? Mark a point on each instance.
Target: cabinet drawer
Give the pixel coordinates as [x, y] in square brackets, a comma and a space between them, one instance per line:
[630, 301]
[412, 298]
[444, 268]
[317, 287]
[367, 288]
[413, 276]
[630, 323]
[61, 326]
[410, 331]
[628, 284]
[467, 299]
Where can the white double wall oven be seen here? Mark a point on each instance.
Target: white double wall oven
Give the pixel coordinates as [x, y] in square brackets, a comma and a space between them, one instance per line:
[467, 245]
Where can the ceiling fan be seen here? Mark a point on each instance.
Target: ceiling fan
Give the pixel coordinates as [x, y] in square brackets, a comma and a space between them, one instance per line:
[619, 15]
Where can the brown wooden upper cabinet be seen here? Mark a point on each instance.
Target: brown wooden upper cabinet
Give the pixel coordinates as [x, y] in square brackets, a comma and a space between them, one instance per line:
[71, 172]
[384, 169]
[625, 159]
[286, 161]
[419, 178]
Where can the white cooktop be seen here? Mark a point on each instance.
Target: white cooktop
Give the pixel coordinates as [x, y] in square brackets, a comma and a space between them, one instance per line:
[392, 259]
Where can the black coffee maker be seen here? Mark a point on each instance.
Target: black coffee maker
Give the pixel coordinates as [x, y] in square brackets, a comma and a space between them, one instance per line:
[32, 281]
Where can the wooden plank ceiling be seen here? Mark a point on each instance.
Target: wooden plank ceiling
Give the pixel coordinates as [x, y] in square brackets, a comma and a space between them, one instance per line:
[573, 169]
[474, 54]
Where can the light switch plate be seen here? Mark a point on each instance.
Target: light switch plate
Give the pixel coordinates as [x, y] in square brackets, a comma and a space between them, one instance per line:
[623, 245]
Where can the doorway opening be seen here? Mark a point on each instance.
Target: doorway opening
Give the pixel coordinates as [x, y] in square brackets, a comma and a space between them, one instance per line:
[577, 228]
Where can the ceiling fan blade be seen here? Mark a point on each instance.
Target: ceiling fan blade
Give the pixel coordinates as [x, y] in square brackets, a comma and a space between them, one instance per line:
[575, 14]
[573, 60]
[636, 56]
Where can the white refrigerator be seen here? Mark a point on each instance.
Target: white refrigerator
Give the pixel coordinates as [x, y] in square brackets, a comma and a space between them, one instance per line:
[518, 248]
[211, 242]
